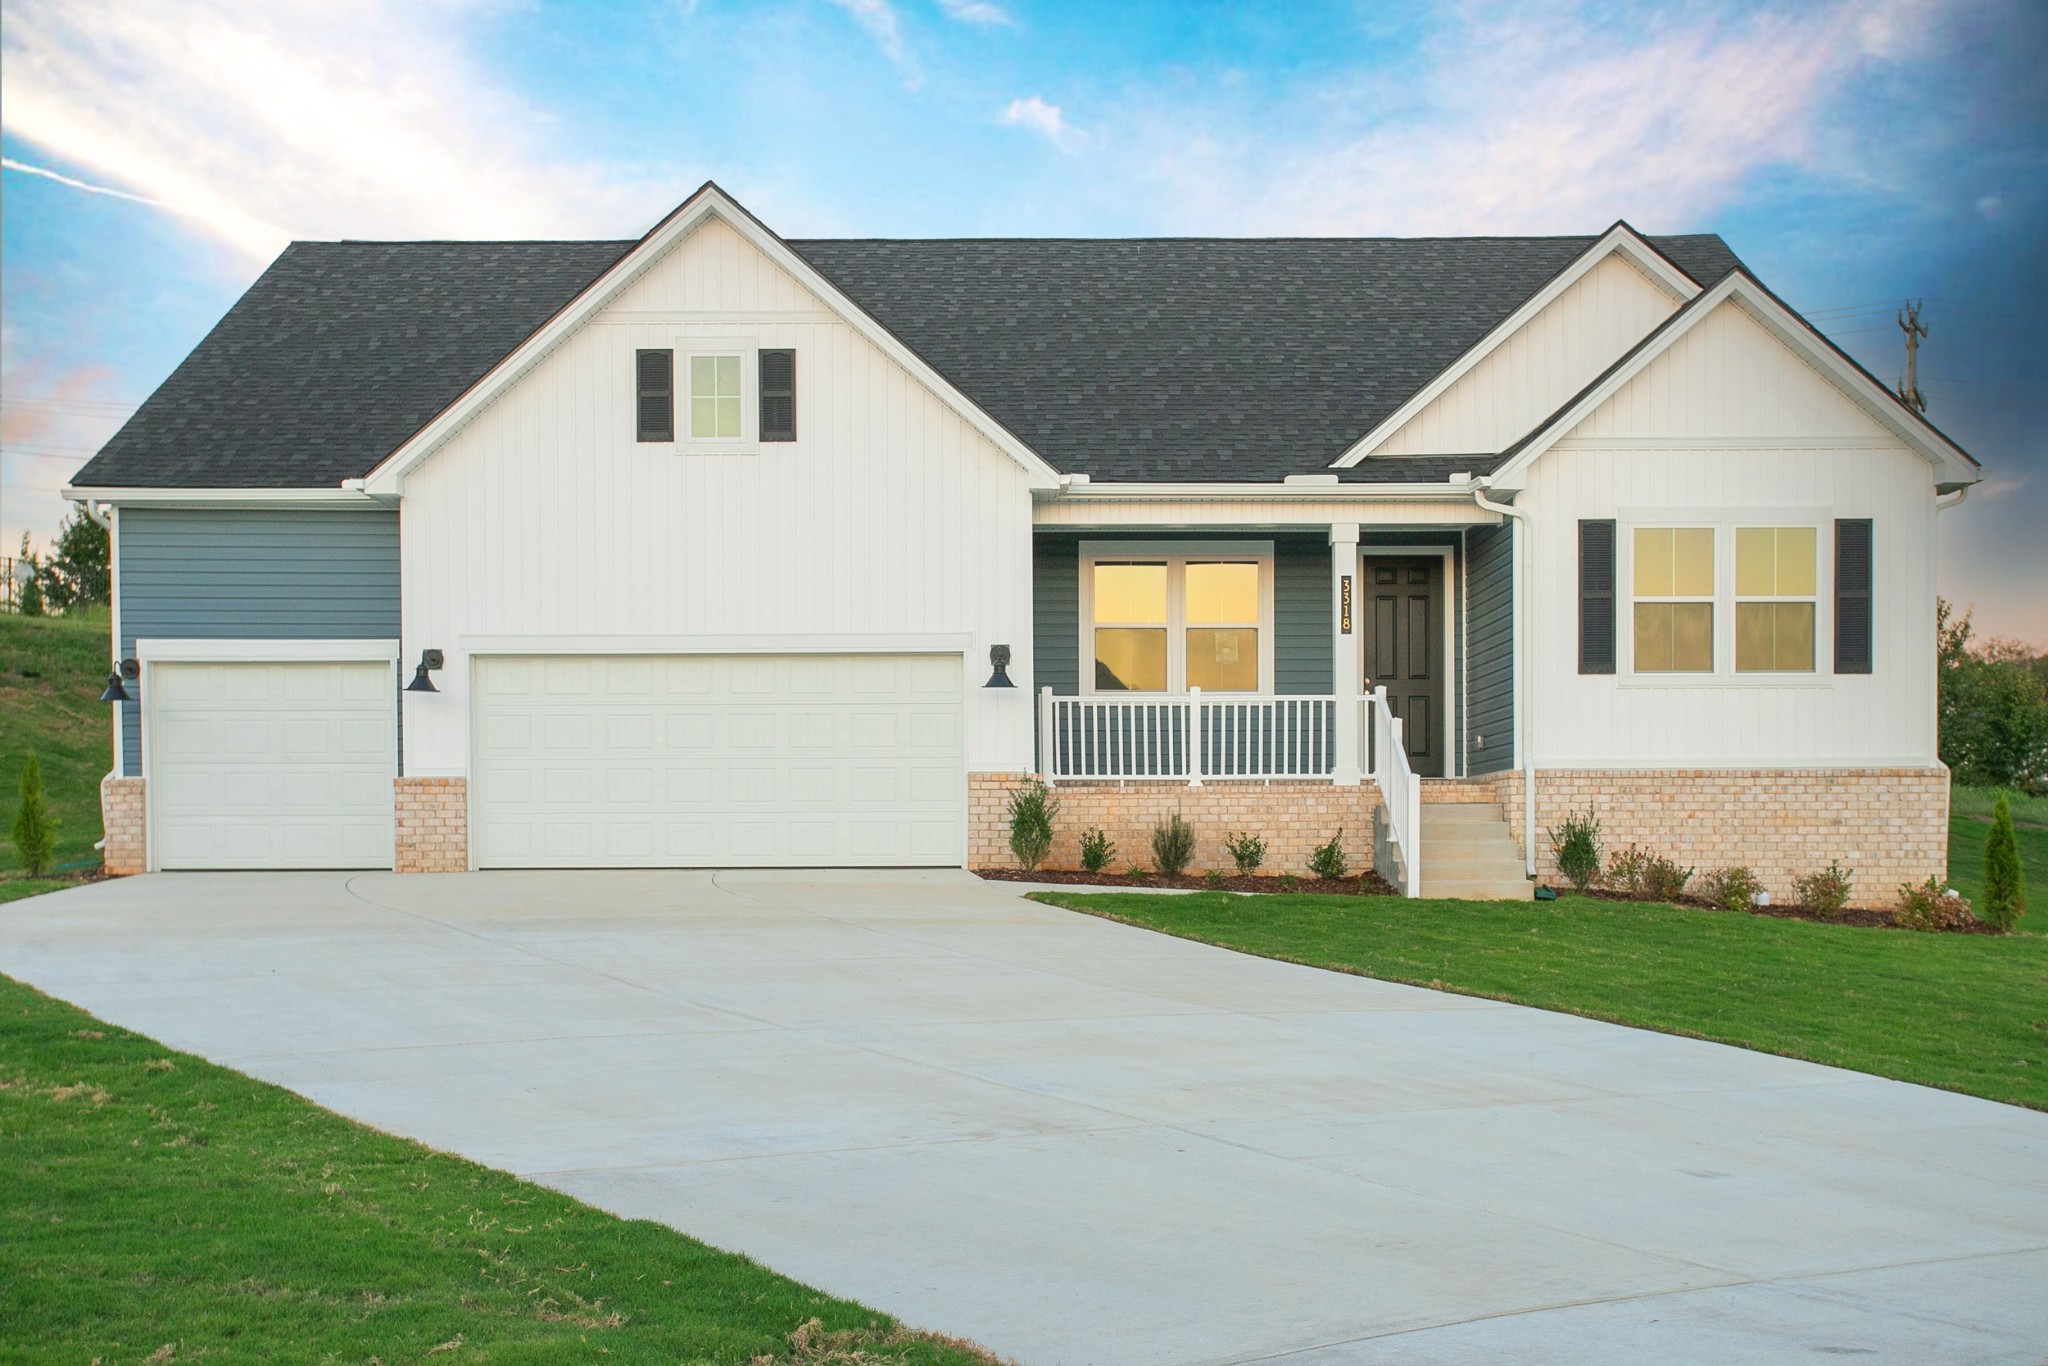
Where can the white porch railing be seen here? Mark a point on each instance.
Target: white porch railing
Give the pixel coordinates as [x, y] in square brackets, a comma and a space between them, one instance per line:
[1387, 763]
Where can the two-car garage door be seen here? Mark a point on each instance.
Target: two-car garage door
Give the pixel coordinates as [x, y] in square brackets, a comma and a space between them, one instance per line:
[709, 761]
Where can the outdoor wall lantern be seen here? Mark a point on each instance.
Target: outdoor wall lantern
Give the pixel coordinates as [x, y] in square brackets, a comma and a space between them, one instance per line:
[999, 659]
[429, 660]
[127, 668]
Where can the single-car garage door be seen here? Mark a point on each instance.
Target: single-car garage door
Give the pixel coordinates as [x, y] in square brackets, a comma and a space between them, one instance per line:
[718, 761]
[285, 765]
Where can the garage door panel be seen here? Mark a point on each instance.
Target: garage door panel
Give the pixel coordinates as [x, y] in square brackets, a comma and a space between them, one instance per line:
[742, 760]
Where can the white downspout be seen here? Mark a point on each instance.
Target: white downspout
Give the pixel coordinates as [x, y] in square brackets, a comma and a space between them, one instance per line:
[1958, 495]
[1525, 545]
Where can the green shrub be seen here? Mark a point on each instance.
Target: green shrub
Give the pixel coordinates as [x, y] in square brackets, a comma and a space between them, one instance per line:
[35, 830]
[1826, 892]
[1214, 877]
[1032, 811]
[1247, 851]
[1625, 870]
[1136, 870]
[1576, 844]
[1932, 909]
[1097, 849]
[1328, 859]
[1732, 889]
[2004, 895]
[1288, 882]
[1663, 879]
[1173, 845]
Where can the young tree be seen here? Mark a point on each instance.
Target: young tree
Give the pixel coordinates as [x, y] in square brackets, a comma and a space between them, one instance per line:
[30, 603]
[35, 834]
[2004, 899]
[76, 573]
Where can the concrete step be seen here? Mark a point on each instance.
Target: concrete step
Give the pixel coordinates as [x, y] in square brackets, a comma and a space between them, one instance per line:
[1501, 866]
[1478, 889]
[1465, 815]
[1468, 852]
[1463, 840]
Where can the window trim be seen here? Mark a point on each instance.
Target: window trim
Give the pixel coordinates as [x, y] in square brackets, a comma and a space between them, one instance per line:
[1176, 555]
[747, 348]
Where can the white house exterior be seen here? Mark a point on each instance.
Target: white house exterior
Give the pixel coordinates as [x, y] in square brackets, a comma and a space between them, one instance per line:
[704, 543]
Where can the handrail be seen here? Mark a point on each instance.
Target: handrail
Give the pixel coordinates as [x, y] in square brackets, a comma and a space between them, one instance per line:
[1399, 789]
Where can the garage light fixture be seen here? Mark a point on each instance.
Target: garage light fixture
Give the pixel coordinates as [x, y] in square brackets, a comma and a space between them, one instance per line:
[999, 659]
[127, 668]
[429, 660]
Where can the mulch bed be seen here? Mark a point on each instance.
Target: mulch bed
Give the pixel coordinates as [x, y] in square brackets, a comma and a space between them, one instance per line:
[1872, 920]
[1366, 884]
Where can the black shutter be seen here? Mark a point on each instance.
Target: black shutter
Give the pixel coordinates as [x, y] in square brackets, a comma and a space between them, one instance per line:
[654, 374]
[778, 395]
[1596, 597]
[1852, 595]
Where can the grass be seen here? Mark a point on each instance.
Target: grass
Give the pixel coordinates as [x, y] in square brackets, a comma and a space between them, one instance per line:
[1969, 823]
[51, 672]
[158, 1208]
[1962, 1012]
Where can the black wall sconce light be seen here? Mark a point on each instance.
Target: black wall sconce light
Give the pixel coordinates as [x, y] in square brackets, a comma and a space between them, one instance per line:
[127, 669]
[429, 661]
[999, 659]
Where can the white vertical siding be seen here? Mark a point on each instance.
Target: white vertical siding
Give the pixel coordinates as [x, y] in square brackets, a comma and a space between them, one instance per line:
[1731, 426]
[545, 518]
[1550, 358]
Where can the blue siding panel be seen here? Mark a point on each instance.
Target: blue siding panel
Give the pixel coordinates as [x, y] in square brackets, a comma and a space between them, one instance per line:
[1490, 677]
[1056, 615]
[1302, 659]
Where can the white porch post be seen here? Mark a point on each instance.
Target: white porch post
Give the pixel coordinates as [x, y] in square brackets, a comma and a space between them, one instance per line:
[1345, 657]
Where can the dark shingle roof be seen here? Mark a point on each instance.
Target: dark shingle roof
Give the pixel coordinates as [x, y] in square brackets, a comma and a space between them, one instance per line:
[1164, 359]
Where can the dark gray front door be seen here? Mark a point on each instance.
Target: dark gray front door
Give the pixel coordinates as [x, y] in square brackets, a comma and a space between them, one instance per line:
[1404, 649]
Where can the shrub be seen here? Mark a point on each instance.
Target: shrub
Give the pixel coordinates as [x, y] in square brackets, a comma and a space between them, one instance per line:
[1136, 870]
[1247, 851]
[1576, 844]
[1288, 882]
[35, 832]
[1328, 859]
[1214, 877]
[1173, 845]
[1932, 909]
[1625, 870]
[1826, 892]
[1097, 849]
[2005, 883]
[1732, 889]
[1663, 879]
[1032, 810]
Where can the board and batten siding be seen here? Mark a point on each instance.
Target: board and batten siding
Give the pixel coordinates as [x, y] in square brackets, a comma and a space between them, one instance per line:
[1489, 673]
[253, 574]
[888, 517]
[1730, 427]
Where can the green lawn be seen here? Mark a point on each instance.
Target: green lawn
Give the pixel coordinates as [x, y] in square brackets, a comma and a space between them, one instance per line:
[52, 670]
[1969, 823]
[1964, 1012]
[156, 1207]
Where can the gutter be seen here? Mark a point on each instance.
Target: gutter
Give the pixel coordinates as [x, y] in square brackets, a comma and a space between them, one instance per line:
[1297, 488]
[134, 495]
[1525, 545]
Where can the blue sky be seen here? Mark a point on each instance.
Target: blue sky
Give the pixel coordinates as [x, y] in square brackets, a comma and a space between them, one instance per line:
[1853, 154]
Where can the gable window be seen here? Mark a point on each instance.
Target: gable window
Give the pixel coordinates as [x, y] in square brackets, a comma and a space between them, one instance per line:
[715, 397]
[1181, 617]
[1775, 593]
[1674, 599]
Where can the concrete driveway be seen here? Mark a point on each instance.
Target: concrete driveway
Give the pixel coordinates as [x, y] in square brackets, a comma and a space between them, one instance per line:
[1083, 1143]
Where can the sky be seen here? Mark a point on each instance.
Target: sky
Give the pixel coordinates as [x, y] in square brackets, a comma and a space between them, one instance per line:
[155, 155]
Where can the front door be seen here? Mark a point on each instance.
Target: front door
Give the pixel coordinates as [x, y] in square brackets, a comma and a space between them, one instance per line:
[1404, 649]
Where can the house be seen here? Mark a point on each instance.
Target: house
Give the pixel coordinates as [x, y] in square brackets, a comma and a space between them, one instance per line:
[715, 549]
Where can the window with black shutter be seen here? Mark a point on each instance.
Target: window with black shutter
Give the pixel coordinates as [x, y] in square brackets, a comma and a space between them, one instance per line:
[655, 384]
[1596, 597]
[1852, 595]
[778, 395]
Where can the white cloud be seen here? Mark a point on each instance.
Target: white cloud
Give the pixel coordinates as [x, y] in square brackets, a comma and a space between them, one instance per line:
[1034, 113]
[878, 17]
[975, 12]
[259, 122]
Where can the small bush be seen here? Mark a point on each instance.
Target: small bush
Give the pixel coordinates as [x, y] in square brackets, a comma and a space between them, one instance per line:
[1032, 811]
[1931, 908]
[1214, 877]
[1288, 882]
[1097, 849]
[1625, 870]
[1247, 851]
[2005, 882]
[1732, 889]
[1663, 879]
[1173, 845]
[1826, 892]
[35, 832]
[1576, 844]
[1136, 870]
[1328, 859]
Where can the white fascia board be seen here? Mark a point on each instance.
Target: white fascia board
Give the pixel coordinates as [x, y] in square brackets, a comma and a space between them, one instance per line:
[709, 202]
[1798, 335]
[134, 497]
[182, 651]
[889, 643]
[1620, 238]
[1238, 493]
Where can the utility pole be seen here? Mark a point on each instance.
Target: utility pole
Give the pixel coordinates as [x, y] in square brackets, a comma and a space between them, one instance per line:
[1909, 387]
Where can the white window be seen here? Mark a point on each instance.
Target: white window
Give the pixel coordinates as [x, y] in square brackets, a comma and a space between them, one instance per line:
[1723, 602]
[717, 403]
[714, 398]
[1165, 617]
[1673, 618]
[1776, 594]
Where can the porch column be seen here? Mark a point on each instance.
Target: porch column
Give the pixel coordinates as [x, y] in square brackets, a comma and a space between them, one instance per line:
[1345, 656]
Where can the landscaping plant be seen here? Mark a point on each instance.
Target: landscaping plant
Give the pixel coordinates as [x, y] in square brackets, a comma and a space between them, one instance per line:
[1214, 877]
[1932, 908]
[1173, 845]
[1097, 849]
[1826, 892]
[1626, 869]
[1327, 861]
[2004, 894]
[1246, 850]
[1136, 870]
[1576, 844]
[1032, 811]
[1663, 879]
[35, 833]
[1732, 889]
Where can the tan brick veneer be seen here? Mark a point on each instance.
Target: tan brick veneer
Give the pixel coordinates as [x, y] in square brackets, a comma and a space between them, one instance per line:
[433, 825]
[122, 813]
[1293, 818]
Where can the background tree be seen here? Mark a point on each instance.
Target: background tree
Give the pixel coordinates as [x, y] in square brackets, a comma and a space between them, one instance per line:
[75, 574]
[30, 601]
[1992, 708]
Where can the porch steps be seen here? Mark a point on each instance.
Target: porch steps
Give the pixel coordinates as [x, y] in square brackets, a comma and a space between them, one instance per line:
[1468, 853]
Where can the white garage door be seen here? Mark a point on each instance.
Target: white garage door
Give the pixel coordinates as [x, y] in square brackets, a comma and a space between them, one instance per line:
[718, 761]
[271, 765]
